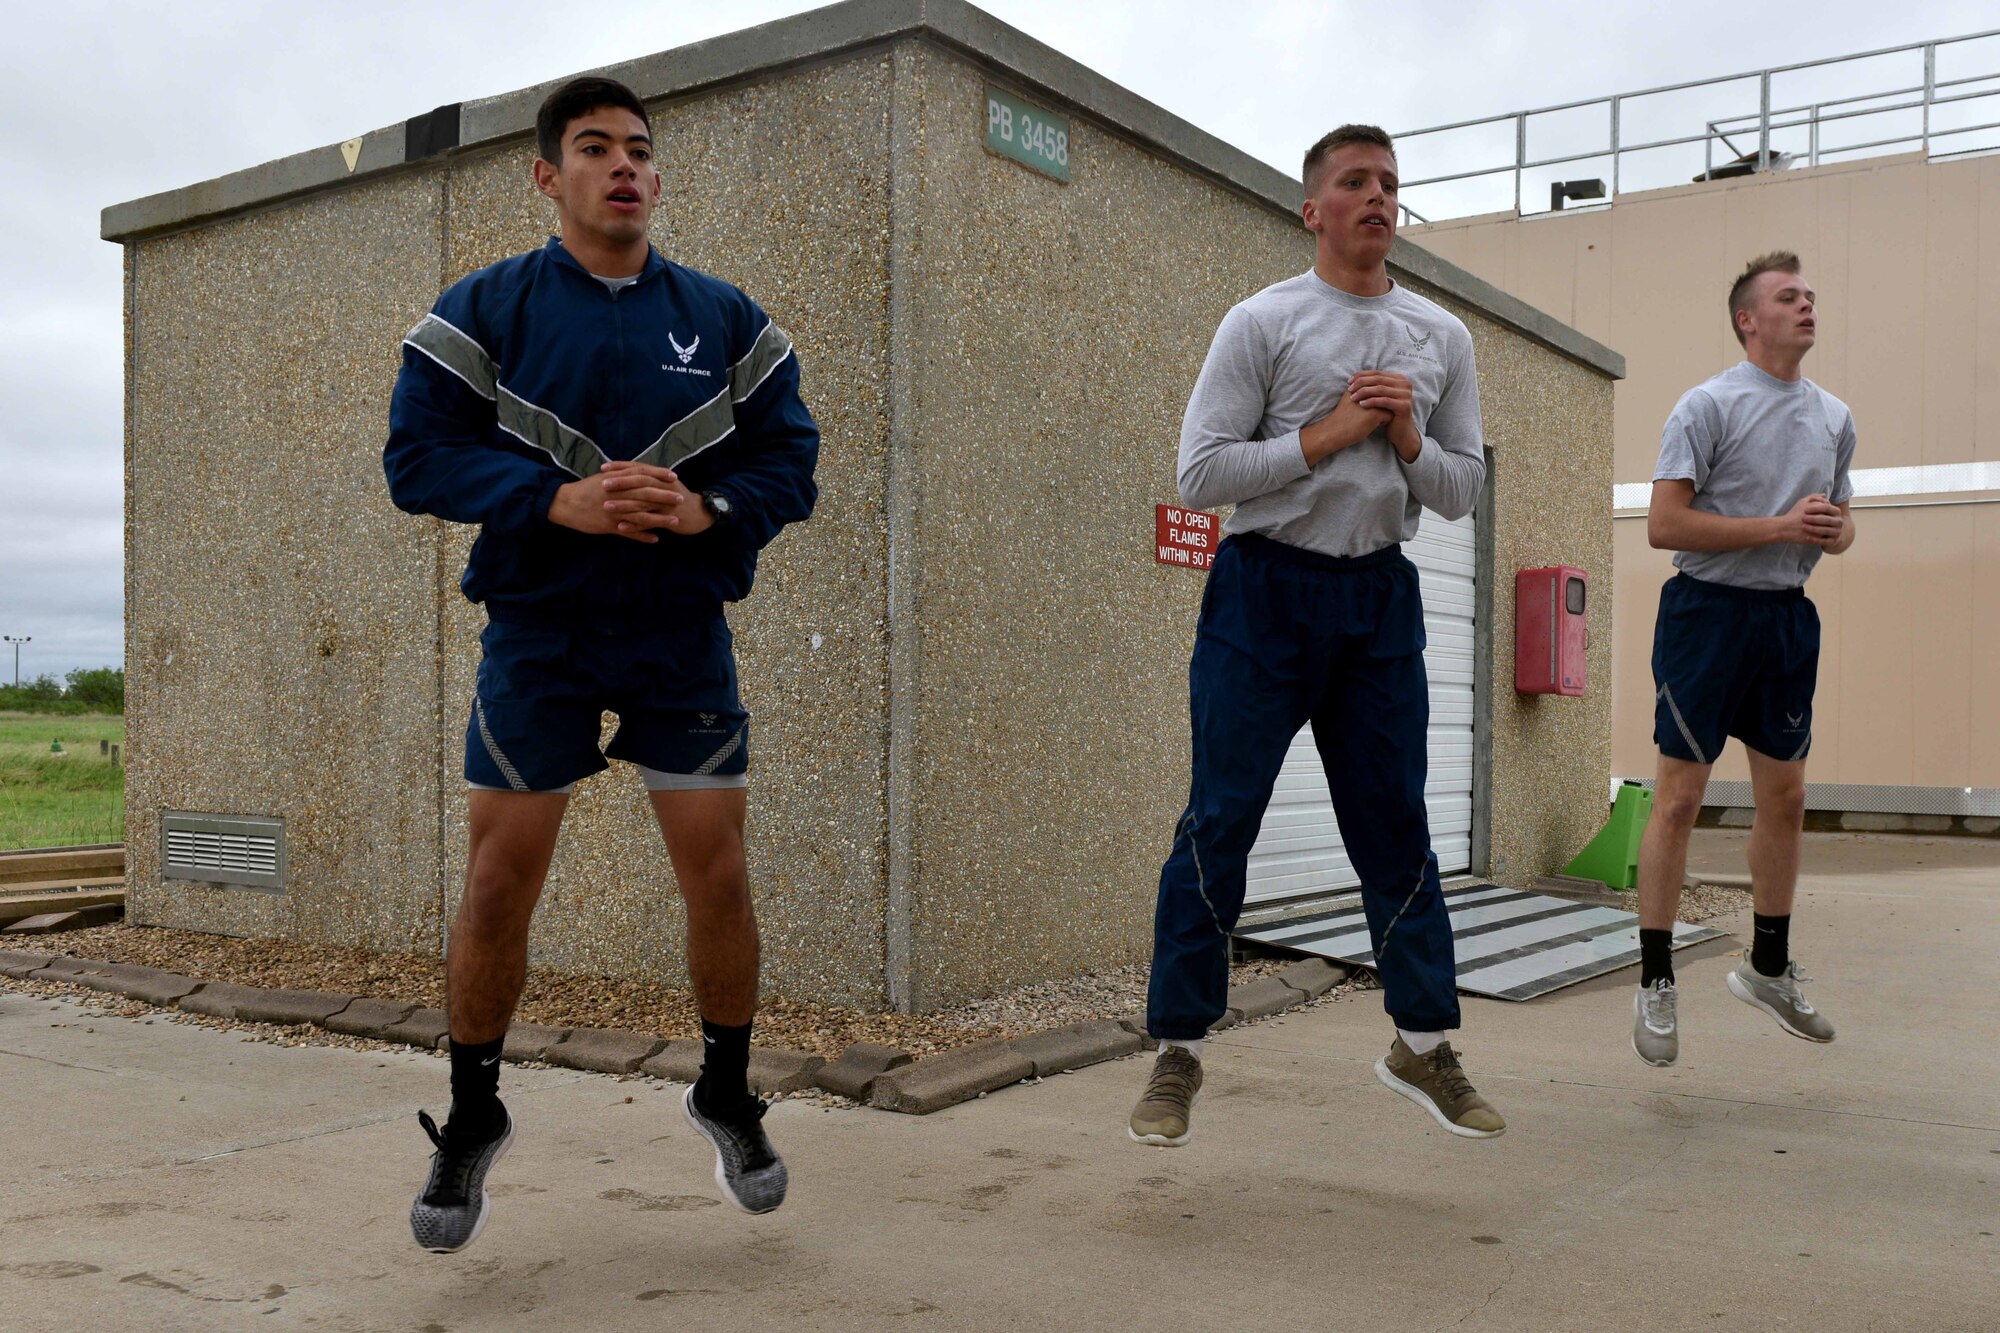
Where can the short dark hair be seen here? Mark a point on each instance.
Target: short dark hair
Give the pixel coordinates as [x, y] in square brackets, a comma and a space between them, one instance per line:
[580, 97]
[1778, 261]
[1317, 155]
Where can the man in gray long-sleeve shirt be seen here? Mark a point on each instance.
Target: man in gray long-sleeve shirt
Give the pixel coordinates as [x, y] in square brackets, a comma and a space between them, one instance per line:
[1332, 409]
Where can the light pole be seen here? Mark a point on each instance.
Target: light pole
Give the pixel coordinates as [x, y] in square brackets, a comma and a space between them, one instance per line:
[8, 638]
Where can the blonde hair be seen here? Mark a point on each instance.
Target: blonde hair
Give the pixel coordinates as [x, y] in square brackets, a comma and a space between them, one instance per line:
[1778, 261]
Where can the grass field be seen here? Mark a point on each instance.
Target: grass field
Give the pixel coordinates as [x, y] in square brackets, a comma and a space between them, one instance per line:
[58, 800]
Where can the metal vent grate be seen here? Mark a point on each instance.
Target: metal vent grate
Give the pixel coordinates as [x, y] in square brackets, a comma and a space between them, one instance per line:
[242, 850]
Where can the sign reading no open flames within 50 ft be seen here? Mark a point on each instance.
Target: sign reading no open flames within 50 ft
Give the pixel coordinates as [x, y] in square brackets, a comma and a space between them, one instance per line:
[1186, 537]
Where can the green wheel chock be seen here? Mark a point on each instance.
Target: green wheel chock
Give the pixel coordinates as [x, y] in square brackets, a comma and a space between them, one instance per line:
[1612, 858]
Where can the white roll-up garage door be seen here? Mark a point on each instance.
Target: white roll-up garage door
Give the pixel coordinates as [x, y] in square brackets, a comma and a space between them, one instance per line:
[1299, 853]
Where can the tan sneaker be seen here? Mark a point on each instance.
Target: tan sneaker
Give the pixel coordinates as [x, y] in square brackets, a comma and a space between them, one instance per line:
[1437, 1083]
[1161, 1117]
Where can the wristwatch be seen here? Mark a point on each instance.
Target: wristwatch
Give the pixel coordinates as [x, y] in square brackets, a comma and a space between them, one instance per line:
[718, 506]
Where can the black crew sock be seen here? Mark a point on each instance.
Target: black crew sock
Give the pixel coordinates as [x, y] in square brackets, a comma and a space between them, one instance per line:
[1770, 943]
[725, 1066]
[1656, 956]
[475, 1089]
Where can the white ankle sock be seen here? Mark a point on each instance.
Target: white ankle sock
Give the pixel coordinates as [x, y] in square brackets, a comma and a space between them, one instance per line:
[1191, 1047]
[1420, 1043]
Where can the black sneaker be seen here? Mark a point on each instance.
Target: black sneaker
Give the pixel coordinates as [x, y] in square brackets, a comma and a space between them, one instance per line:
[750, 1172]
[448, 1215]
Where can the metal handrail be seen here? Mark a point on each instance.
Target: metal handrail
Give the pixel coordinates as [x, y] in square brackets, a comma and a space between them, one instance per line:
[1766, 120]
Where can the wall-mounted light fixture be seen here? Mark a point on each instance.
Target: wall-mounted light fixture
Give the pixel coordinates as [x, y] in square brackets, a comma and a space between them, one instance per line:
[1561, 190]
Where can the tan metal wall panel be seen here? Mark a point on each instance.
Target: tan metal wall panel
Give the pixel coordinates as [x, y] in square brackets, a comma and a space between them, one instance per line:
[1544, 262]
[1875, 711]
[1883, 318]
[1592, 307]
[1941, 672]
[1983, 728]
[1949, 329]
[1831, 228]
[1658, 310]
[1985, 276]
[1829, 592]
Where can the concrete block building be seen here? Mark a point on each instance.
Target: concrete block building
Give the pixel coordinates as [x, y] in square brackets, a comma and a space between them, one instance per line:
[967, 672]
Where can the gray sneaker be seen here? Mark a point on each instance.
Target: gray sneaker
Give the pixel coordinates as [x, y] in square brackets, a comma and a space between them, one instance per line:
[1162, 1116]
[1781, 998]
[748, 1170]
[451, 1212]
[1655, 1028]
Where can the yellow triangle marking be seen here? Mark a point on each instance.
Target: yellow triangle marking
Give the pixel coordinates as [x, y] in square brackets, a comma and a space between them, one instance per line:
[351, 150]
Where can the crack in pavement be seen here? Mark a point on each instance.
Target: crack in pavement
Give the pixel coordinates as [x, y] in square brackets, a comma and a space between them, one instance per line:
[61, 1064]
[1501, 1286]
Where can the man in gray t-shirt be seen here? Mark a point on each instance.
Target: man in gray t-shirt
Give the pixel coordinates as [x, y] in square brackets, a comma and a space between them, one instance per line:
[1332, 408]
[1751, 490]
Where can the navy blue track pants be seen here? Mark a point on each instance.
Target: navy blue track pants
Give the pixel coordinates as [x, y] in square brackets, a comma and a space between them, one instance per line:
[1289, 636]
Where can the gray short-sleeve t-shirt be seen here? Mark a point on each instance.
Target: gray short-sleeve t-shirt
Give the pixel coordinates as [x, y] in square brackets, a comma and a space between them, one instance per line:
[1755, 445]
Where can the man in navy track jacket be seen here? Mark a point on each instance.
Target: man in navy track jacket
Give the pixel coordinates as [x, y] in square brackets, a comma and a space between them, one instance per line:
[628, 435]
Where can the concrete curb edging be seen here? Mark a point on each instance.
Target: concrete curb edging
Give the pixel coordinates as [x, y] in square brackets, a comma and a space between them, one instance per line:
[946, 1080]
[256, 1004]
[774, 1071]
[1263, 997]
[370, 1018]
[153, 985]
[1077, 1046]
[855, 1072]
[1314, 976]
[604, 1050]
[679, 1061]
[882, 1077]
[530, 1041]
[427, 1028]
[19, 965]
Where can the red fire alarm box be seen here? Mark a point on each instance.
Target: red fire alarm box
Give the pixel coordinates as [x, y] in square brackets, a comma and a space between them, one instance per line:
[1550, 636]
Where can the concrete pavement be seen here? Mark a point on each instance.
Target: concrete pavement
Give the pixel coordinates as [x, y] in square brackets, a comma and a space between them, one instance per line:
[165, 1176]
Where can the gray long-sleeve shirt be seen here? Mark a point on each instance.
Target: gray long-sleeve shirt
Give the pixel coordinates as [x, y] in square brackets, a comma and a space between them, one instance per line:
[1280, 361]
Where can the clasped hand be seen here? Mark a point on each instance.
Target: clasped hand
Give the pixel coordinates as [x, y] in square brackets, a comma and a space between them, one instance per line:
[1374, 400]
[633, 500]
[1389, 396]
[1815, 521]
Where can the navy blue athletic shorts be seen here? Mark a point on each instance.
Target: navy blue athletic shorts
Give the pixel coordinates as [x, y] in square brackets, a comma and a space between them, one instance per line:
[1736, 662]
[543, 693]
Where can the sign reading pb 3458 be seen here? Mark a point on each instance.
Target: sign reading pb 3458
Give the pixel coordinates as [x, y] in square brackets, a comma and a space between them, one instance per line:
[1185, 536]
[1031, 136]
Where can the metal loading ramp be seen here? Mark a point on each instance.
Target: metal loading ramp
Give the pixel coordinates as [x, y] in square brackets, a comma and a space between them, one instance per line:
[1511, 944]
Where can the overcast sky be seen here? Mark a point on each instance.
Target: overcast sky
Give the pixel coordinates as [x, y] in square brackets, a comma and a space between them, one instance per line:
[109, 102]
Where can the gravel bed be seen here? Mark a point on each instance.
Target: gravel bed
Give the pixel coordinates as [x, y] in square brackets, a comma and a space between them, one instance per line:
[1705, 902]
[566, 1000]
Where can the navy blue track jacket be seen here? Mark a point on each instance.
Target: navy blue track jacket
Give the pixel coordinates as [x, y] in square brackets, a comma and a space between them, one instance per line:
[530, 374]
